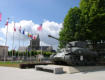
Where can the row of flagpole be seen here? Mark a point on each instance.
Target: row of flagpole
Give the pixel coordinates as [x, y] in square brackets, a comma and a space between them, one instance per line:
[29, 35]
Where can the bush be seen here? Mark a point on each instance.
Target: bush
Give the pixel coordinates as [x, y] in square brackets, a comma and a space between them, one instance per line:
[32, 53]
[47, 54]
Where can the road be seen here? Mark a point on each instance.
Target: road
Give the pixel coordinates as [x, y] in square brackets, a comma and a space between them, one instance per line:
[9, 73]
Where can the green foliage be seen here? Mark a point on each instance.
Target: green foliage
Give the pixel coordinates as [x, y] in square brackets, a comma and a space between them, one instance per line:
[70, 26]
[47, 53]
[10, 53]
[32, 53]
[97, 25]
[84, 23]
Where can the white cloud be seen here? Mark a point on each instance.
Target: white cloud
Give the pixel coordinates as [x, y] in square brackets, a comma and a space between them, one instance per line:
[2, 41]
[48, 27]
[43, 43]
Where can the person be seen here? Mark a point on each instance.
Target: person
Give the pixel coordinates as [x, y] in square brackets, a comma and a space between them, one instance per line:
[40, 57]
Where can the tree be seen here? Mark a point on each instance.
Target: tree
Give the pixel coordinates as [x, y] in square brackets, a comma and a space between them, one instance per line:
[10, 53]
[95, 20]
[70, 30]
[85, 6]
[84, 23]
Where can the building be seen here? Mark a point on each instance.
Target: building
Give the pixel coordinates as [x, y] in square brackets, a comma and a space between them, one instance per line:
[3, 51]
[22, 49]
[35, 45]
[46, 48]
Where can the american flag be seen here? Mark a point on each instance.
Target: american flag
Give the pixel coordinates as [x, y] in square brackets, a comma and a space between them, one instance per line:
[40, 27]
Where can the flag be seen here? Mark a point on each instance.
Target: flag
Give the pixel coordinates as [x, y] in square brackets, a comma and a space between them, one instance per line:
[14, 27]
[28, 35]
[40, 27]
[20, 29]
[23, 31]
[7, 22]
[34, 37]
[0, 16]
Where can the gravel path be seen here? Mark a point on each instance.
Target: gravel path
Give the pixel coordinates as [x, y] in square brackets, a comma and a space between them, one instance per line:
[9, 73]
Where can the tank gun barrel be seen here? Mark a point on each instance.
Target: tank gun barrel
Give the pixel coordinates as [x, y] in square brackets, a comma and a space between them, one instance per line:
[56, 38]
[53, 37]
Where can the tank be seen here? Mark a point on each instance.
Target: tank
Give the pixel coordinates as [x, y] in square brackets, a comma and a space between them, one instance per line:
[75, 53]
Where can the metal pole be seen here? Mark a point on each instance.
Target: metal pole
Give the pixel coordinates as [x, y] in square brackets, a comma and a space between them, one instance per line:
[41, 49]
[19, 47]
[23, 48]
[13, 43]
[41, 54]
[31, 50]
[6, 41]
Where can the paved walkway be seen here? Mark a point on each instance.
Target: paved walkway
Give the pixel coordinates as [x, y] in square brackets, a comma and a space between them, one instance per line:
[8, 73]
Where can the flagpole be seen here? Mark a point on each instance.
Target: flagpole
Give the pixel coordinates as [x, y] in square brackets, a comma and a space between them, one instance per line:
[19, 40]
[23, 40]
[6, 39]
[13, 42]
[31, 50]
[19, 47]
[23, 48]
[39, 29]
[41, 53]
[41, 49]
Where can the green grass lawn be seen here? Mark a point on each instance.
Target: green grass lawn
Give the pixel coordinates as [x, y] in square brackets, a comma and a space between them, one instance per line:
[14, 63]
[10, 64]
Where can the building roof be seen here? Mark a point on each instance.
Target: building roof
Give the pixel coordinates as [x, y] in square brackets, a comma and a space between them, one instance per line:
[22, 49]
[3, 46]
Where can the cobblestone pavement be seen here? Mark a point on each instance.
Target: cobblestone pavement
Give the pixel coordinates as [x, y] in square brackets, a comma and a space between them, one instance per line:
[8, 73]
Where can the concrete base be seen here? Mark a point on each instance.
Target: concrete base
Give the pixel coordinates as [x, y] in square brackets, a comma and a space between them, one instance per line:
[50, 68]
[69, 69]
[77, 69]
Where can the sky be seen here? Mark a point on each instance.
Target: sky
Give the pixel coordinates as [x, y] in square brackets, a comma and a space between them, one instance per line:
[30, 14]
